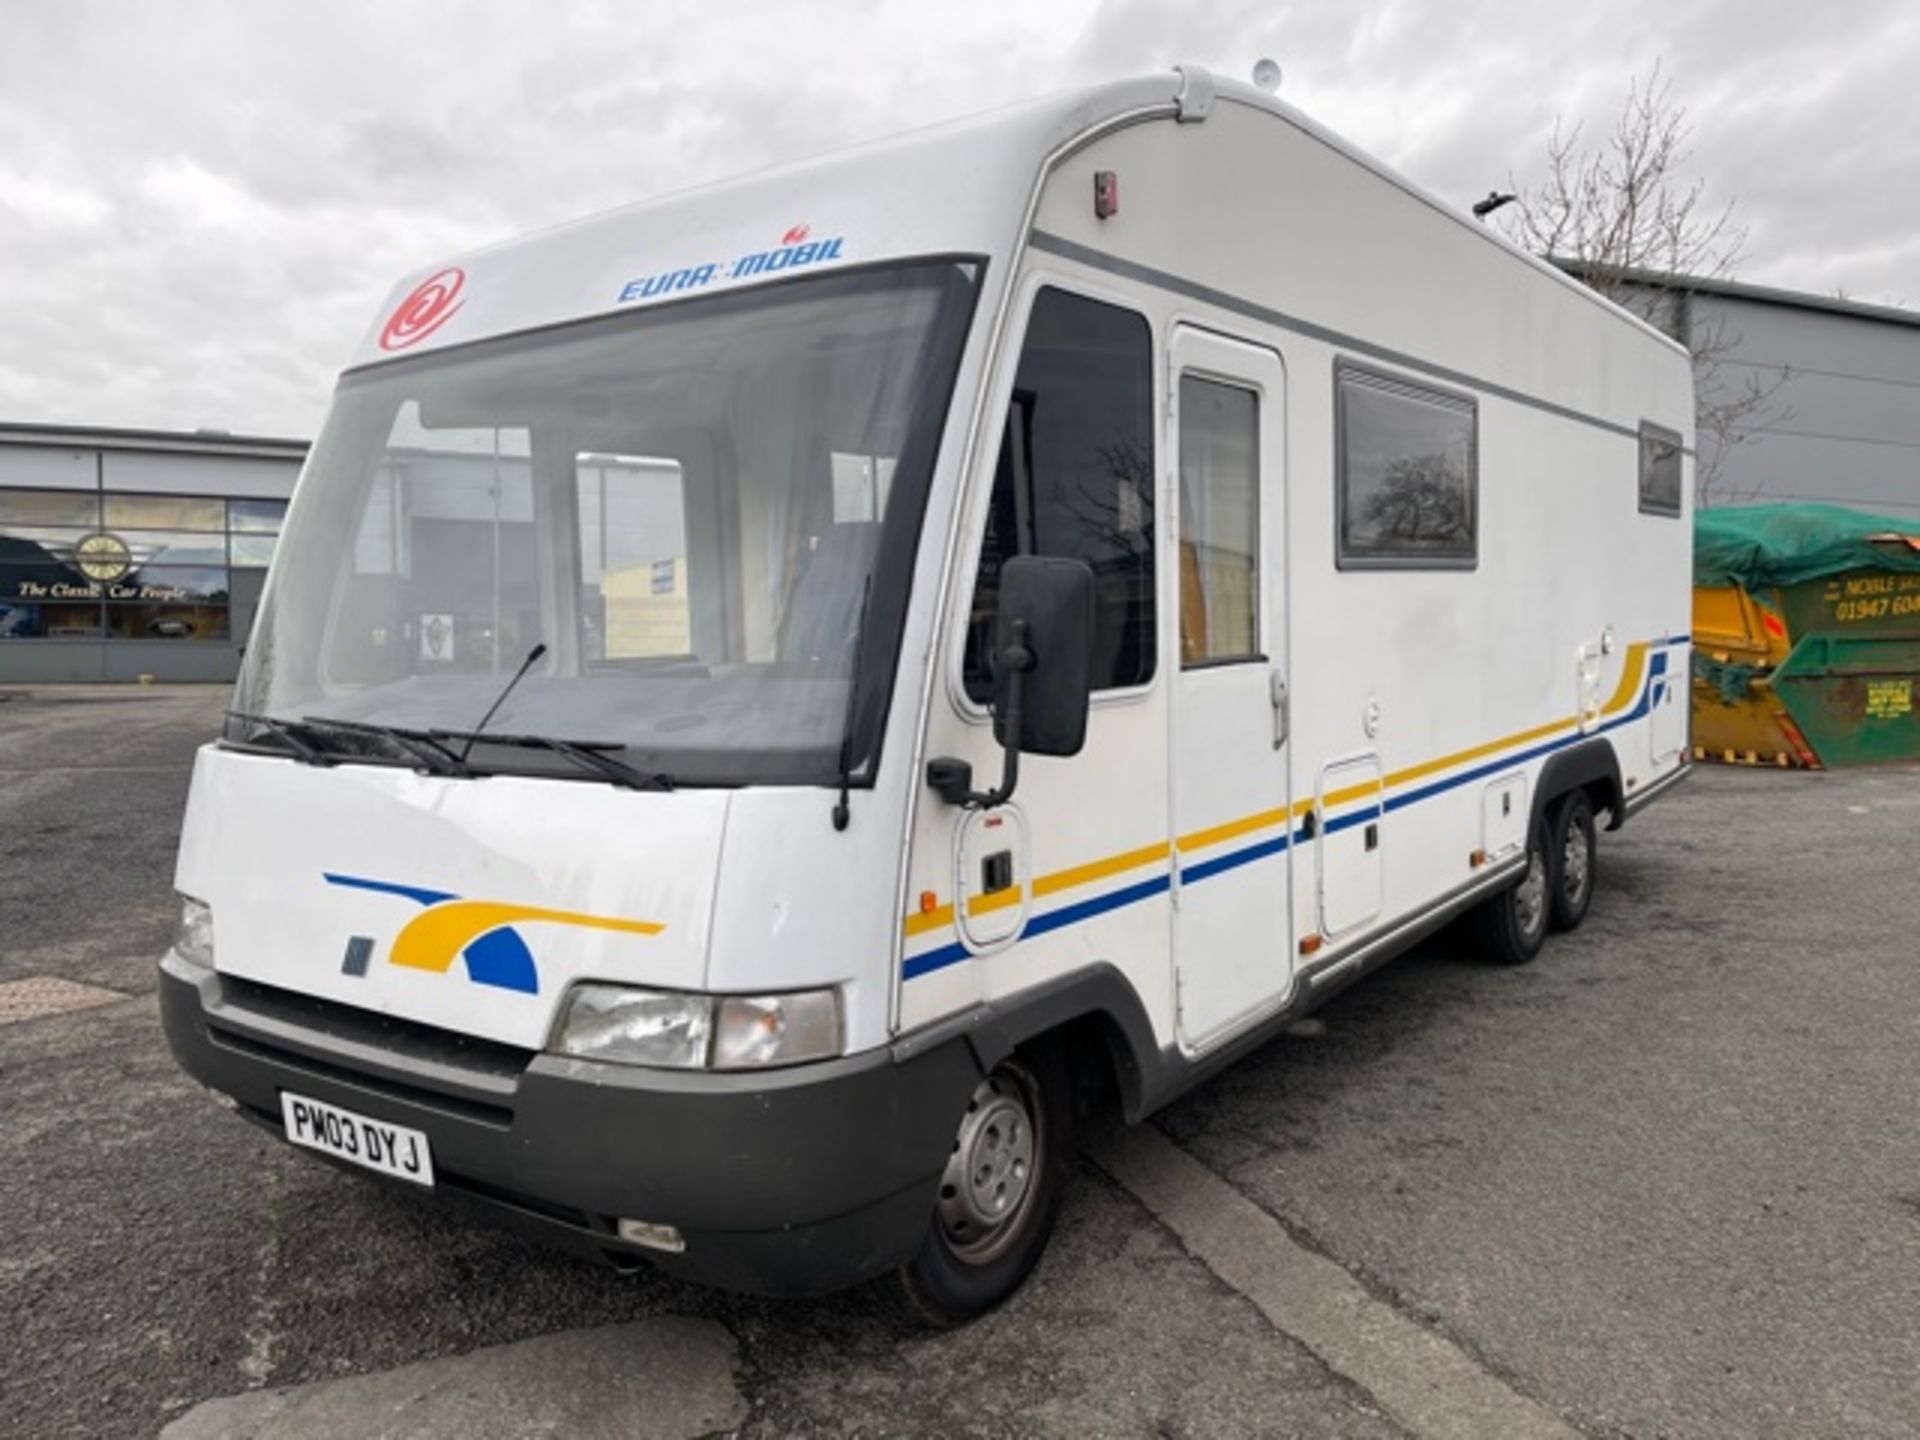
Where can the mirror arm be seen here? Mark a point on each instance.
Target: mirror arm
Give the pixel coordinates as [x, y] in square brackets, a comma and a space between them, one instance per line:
[953, 779]
[1010, 753]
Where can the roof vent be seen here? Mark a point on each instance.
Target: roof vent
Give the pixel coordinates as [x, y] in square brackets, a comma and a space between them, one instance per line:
[1194, 101]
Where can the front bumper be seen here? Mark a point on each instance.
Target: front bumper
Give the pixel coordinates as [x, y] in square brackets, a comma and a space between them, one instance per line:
[797, 1181]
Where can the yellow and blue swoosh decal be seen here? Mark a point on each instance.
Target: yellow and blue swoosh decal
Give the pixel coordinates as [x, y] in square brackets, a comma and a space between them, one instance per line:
[480, 932]
[1643, 680]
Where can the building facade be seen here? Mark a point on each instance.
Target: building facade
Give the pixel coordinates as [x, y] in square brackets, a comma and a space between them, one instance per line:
[130, 553]
[1822, 393]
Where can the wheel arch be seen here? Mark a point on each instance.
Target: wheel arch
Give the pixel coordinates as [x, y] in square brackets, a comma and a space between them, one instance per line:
[1593, 766]
[1095, 1013]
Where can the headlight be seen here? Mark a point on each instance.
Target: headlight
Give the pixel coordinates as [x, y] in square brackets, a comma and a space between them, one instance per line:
[695, 1032]
[754, 1030]
[637, 1027]
[193, 937]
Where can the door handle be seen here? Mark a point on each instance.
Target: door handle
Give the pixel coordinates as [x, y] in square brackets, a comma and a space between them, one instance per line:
[1277, 688]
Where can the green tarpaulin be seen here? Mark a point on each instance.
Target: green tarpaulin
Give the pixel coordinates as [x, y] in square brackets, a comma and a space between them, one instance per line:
[1760, 545]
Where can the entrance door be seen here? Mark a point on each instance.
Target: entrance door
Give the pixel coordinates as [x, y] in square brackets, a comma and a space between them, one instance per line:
[1232, 898]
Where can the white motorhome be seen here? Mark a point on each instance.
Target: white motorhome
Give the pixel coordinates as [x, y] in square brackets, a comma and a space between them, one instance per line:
[764, 694]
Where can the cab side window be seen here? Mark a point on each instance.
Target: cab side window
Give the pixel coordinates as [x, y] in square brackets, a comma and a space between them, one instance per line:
[1075, 479]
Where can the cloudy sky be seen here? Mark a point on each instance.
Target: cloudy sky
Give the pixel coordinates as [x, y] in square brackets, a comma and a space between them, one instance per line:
[202, 203]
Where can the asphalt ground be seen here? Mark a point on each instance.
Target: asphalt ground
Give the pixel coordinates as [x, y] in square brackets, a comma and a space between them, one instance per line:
[1663, 1182]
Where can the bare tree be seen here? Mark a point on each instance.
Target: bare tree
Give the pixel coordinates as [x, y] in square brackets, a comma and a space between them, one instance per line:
[1421, 501]
[1623, 217]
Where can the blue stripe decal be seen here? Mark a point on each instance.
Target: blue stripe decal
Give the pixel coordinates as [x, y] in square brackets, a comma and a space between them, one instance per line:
[917, 965]
[1656, 666]
[1098, 905]
[1041, 924]
[1192, 874]
[383, 887]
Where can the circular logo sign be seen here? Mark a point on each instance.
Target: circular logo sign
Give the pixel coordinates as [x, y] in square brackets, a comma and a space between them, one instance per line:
[430, 306]
[102, 557]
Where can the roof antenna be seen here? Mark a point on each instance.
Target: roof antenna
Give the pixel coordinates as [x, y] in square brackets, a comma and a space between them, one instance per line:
[1495, 199]
[1266, 74]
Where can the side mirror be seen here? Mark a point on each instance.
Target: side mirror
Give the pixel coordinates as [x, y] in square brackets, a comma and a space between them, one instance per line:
[1043, 674]
[1040, 699]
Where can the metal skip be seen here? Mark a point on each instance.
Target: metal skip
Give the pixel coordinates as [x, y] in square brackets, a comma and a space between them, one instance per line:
[1852, 682]
[1806, 629]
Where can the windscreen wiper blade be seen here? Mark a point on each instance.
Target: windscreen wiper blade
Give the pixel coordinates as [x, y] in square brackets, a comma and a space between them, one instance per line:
[587, 754]
[283, 731]
[420, 744]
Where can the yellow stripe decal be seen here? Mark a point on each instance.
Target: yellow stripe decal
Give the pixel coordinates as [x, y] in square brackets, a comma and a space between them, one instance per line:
[1098, 869]
[1629, 686]
[1214, 834]
[938, 918]
[431, 939]
[1478, 752]
[998, 900]
[941, 916]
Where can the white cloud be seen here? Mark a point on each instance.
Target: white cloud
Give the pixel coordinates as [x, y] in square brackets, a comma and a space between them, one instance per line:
[201, 203]
[50, 204]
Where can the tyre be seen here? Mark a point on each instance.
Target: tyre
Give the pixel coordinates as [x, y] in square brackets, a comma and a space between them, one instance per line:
[1574, 853]
[1513, 924]
[1000, 1195]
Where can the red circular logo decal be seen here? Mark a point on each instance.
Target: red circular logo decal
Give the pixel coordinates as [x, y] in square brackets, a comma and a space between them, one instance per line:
[430, 306]
[796, 235]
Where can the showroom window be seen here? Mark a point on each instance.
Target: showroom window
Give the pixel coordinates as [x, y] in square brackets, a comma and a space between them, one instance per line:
[86, 566]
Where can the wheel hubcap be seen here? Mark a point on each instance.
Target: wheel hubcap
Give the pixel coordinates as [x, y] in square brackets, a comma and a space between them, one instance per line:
[1573, 865]
[1530, 899]
[990, 1173]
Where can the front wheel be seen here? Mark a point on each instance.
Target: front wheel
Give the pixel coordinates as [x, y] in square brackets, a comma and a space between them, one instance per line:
[1513, 924]
[1000, 1193]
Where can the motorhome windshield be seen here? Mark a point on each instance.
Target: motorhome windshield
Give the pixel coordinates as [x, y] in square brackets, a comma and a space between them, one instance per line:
[694, 508]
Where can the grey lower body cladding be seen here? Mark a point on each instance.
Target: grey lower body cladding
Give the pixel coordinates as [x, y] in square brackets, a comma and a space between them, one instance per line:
[797, 1181]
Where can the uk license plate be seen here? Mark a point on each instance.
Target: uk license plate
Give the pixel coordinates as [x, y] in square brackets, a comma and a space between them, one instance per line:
[390, 1149]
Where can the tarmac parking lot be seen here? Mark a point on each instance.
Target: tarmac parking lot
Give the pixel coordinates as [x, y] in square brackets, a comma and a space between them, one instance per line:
[1663, 1182]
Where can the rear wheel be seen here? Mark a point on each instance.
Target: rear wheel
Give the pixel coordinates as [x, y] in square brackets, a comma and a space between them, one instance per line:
[1574, 854]
[1000, 1194]
[1513, 924]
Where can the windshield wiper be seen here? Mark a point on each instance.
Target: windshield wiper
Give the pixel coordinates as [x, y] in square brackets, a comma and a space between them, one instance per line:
[429, 747]
[842, 814]
[433, 756]
[587, 754]
[284, 732]
[437, 758]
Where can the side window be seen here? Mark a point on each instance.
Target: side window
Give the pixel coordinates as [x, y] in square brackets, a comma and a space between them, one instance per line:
[633, 558]
[1659, 470]
[445, 559]
[861, 484]
[1219, 521]
[1075, 479]
[1407, 474]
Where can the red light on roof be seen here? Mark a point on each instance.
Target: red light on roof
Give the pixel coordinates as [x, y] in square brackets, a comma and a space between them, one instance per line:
[1106, 194]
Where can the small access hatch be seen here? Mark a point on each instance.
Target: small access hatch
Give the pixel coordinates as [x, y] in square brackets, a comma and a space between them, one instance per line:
[992, 883]
[1349, 813]
[1503, 817]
